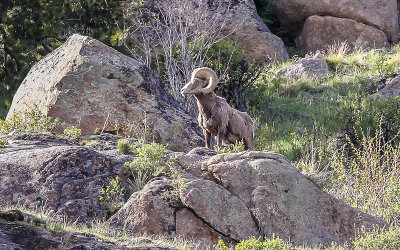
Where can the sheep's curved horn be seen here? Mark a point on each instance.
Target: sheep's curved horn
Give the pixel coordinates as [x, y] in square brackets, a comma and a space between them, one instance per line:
[209, 74]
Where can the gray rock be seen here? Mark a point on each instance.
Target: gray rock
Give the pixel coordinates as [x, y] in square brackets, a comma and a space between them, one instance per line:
[381, 14]
[311, 68]
[90, 85]
[222, 210]
[235, 196]
[286, 203]
[19, 236]
[391, 89]
[44, 170]
[148, 212]
[321, 32]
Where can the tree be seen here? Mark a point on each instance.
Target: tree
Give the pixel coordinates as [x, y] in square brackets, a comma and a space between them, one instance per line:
[173, 38]
[30, 29]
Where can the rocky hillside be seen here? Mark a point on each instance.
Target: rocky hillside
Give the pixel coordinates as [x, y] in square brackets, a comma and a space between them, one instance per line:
[99, 149]
[228, 197]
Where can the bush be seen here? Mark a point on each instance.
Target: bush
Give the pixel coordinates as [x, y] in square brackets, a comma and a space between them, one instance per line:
[32, 121]
[366, 177]
[113, 195]
[275, 243]
[149, 163]
[72, 133]
[124, 147]
[3, 143]
[233, 148]
[236, 73]
[385, 239]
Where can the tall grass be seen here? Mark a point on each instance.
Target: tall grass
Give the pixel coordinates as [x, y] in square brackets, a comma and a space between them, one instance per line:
[103, 232]
[287, 112]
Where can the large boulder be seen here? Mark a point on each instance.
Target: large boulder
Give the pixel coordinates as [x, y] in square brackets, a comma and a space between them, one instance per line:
[239, 21]
[320, 33]
[234, 196]
[147, 212]
[45, 171]
[225, 212]
[90, 85]
[381, 14]
[251, 33]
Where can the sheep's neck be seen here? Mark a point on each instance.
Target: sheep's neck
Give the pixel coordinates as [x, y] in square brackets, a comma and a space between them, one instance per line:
[206, 102]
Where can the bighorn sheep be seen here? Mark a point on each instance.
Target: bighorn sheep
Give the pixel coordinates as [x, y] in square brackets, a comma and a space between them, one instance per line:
[216, 117]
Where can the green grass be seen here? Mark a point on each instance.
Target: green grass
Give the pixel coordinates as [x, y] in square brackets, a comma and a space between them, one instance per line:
[387, 239]
[102, 232]
[291, 114]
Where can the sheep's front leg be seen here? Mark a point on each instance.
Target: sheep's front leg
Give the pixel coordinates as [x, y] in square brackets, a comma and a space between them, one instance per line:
[207, 137]
[220, 135]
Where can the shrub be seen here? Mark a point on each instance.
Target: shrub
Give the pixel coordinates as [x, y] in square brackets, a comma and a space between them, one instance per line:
[385, 239]
[3, 143]
[124, 147]
[72, 133]
[366, 177]
[254, 244]
[113, 195]
[364, 174]
[149, 163]
[32, 121]
[275, 243]
[237, 147]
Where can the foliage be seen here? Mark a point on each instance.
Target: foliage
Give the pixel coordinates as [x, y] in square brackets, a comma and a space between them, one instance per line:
[124, 147]
[172, 42]
[368, 179]
[149, 163]
[72, 133]
[267, 13]
[275, 243]
[90, 142]
[113, 195]
[379, 239]
[3, 143]
[234, 148]
[291, 115]
[30, 29]
[178, 184]
[237, 74]
[31, 121]
[101, 231]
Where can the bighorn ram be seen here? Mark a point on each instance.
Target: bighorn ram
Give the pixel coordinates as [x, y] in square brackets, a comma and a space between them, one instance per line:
[216, 117]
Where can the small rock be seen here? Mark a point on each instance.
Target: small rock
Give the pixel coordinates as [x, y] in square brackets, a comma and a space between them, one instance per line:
[391, 89]
[310, 68]
[12, 215]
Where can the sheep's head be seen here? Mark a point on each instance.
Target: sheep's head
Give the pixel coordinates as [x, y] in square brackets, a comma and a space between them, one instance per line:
[203, 81]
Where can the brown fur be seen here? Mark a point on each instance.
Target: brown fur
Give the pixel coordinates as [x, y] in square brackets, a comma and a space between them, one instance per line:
[217, 118]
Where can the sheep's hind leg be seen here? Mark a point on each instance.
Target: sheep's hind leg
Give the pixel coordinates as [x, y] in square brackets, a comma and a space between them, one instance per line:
[248, 144]
[220, 136]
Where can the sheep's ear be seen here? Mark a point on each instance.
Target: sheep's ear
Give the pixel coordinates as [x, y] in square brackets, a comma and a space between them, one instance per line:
[212, 84]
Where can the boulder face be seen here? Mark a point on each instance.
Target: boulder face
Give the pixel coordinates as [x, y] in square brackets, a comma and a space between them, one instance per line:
[251, 34]
[42, 170]
[241, 23]
[234, 196]
[320, 33]
[391, 89]
[381, 14]
[87, 84]
[310, 67]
